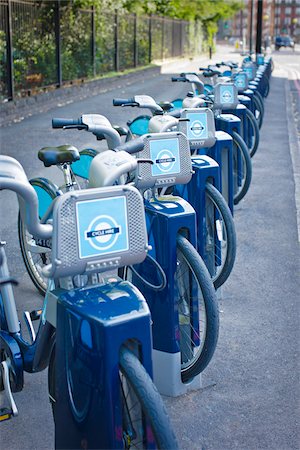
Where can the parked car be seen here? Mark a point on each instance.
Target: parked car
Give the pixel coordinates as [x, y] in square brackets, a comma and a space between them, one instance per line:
[283, 41]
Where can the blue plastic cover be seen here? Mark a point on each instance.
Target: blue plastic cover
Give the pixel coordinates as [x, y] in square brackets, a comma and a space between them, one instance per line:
[140, 125]
[81, 167]
[177, 103]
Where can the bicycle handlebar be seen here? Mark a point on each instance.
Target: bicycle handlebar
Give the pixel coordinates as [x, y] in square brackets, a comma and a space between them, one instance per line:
[13, 178]
[124, 101]
[95, 123]
[61, 123]
[210, 73]
[174, 79]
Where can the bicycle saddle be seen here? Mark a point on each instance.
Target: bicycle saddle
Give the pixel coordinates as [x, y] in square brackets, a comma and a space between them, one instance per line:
[52, 156]
[166, 106]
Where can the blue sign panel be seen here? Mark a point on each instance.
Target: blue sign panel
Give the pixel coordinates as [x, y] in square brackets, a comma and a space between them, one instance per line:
[249, 72]
[102, 226]
[165, 156]
[226, 94]
[197, 126]
[260, 59]
[240, 81]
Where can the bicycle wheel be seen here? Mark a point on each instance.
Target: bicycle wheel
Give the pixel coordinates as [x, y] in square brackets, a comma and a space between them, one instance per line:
[36, 253]
[259, 109]
[266, 86]
[242, 168]
[253, 132]
[145, 423]
[197, 309]
[145, 420]
[220, 235]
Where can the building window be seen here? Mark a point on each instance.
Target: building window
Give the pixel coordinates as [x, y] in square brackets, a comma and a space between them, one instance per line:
[288, 10]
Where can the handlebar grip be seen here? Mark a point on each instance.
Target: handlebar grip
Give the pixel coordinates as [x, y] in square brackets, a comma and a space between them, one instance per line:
[210, 73]
[60, 123]
[134, 146]
[178, 79]
[123, 101]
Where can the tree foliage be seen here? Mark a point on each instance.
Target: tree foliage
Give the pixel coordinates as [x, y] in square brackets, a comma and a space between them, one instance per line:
[209, 12]
[186, 9]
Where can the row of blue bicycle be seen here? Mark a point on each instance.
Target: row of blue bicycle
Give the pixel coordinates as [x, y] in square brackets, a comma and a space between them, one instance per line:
[128, 253]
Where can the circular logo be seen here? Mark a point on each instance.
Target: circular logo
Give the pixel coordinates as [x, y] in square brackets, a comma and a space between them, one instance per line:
[227, 96]
[165, 160]
[239, 82]
[103, 232]
[197, 128]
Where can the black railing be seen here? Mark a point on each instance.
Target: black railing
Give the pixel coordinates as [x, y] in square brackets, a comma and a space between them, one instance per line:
[50, 43]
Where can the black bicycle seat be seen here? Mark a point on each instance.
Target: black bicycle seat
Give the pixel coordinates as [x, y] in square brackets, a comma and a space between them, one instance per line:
[52, 156]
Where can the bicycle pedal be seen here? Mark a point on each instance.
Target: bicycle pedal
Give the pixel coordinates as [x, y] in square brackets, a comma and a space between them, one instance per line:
[9, 409]
[5, 414]
[36, 314]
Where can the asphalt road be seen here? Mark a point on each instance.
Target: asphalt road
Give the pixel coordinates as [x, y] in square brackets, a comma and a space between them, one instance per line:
[253, 394]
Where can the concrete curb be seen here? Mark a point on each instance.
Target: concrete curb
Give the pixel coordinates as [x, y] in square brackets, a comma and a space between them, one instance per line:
[294, 150]
[17, 110]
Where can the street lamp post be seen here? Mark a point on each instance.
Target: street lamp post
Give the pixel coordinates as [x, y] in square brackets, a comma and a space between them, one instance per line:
[251, 26]
[259, 25]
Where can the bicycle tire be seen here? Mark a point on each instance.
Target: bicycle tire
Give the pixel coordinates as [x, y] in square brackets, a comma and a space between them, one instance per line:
[258, 111]
[152, 406]
[266, 87]
[228, 234]
[252, 122]
[134, 376]
[241, 191]
[260, 99]
[34, 261]
[196, 350]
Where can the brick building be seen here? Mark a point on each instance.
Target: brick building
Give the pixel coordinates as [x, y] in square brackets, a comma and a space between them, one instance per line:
[279, 17]
[287, 18]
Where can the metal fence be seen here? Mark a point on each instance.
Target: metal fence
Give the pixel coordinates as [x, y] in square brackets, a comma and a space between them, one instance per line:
[50, 43]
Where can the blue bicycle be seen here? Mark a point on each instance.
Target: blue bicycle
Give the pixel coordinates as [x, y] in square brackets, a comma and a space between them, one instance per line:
[95, 329]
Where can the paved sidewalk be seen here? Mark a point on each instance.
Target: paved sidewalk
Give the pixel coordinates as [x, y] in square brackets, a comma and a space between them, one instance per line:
[252, 401]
